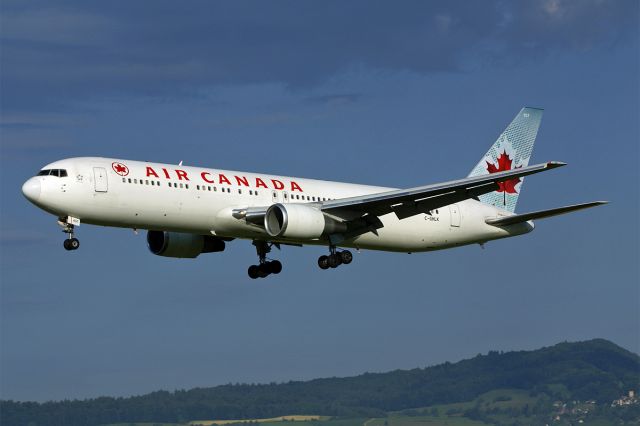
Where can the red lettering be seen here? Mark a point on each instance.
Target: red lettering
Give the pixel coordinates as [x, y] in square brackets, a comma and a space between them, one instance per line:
[295, 187]
[260, 183]
[242, 180]
[151, 172]
[204, 177]
[181, 175]
[277, 184]
[223, 179]
[166, 173]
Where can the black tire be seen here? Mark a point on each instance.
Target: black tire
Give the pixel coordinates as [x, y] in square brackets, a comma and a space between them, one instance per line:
[323, 262]
[335, 260]
[346, 257]
[67, 245]
[275, 266]
[253, 272]
[74, 243]
[263, 270]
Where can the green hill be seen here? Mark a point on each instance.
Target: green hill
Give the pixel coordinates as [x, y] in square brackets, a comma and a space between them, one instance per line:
[591, 370]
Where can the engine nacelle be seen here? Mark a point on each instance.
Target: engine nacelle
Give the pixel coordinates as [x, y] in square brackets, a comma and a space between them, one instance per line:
[299, 221]
[178, 244]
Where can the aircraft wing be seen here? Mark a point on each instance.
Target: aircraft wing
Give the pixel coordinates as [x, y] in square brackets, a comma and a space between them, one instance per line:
[422, 199]
[519, 218]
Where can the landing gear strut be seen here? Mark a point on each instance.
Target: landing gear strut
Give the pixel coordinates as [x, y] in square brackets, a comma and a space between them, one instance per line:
[71, 243]
[335, 258]
[265, 267]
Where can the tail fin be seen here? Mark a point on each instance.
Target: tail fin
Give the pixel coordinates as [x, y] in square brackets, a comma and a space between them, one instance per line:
[512, 150]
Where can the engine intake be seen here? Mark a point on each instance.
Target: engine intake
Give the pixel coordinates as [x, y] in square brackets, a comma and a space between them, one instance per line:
[299, 221]
[178, 244]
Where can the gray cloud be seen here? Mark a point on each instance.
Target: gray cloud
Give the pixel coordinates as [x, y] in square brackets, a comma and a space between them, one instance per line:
[56, 56]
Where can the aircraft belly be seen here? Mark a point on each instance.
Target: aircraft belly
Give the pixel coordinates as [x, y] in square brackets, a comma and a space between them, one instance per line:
[418, 233]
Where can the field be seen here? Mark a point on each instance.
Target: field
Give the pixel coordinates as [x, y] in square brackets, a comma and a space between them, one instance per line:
[292, 418]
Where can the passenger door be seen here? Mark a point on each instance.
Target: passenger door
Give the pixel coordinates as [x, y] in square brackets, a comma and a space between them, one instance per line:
[454, 210]
[100, 179]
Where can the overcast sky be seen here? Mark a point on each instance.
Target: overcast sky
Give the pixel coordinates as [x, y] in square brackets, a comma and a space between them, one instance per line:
[385, 93]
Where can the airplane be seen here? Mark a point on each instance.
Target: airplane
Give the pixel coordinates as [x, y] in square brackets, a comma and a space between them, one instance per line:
[188, 211]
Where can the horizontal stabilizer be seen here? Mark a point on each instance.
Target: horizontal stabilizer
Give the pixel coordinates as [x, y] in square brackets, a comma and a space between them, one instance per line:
[519, 218]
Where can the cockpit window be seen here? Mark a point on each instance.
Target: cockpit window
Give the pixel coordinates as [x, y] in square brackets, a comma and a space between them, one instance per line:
[53, 172]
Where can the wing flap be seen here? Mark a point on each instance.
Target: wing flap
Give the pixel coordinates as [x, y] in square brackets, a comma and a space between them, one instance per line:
[519, 218]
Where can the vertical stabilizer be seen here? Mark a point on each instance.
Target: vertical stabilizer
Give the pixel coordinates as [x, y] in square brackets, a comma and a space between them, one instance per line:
[512, 150]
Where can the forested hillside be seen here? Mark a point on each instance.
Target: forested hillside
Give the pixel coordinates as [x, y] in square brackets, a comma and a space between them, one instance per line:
[592, 370]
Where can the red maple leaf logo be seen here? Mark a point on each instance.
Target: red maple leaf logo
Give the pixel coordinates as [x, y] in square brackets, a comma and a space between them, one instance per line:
[504, 164]
[120, 169]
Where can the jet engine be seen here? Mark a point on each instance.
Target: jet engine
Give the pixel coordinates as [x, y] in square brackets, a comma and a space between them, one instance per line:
[178, 244]
[299, 221]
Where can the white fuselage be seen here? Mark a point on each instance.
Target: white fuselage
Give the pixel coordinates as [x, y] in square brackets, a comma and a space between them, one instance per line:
[142, 195]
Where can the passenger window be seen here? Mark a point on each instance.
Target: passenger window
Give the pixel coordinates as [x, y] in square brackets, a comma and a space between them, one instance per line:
[186, 185]
[124, 180]
[146, 182]
[129, 180]
[153, 183]
[239, 191]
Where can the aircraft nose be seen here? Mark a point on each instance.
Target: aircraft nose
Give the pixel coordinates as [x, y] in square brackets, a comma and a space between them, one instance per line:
[31, 189]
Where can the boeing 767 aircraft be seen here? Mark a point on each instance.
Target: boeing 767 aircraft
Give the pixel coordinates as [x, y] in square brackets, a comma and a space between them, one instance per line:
[193, 210]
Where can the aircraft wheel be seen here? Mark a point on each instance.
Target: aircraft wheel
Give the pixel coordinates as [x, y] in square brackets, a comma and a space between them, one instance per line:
[346, 257]
[253, 272]
[335, 260]
[323, 262]
[275, 266]
[263, 270]
[67, 245]
[74, 243]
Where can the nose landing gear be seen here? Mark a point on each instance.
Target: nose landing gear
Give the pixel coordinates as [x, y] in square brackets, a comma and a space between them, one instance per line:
[71, 243]
[335, 259]
[265, 267]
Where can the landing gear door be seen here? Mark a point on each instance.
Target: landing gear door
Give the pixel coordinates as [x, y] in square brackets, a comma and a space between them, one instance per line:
[100, 179]
[454, 209]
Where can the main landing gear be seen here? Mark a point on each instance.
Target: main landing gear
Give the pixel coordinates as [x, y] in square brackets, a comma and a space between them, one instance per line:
[335, 259]
[71, 243]
[265, 267]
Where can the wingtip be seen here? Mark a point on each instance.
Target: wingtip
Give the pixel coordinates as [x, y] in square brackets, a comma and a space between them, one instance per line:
[553, 164]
